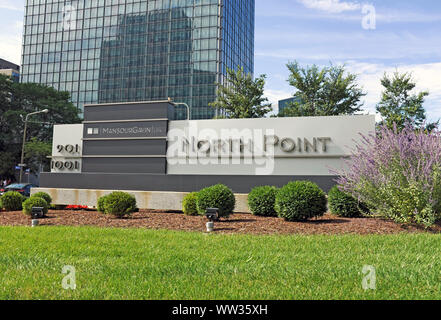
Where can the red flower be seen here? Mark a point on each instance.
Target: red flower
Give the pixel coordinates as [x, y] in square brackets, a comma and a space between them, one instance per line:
[76, 207]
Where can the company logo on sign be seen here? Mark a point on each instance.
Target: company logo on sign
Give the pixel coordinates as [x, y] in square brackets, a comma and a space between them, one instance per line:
[93, 131]
[141, 129]
[135, 130]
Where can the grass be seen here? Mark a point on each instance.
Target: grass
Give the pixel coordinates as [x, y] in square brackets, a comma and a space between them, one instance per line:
[145, 264]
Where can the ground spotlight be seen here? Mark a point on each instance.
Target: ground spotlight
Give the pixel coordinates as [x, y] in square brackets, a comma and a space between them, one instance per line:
[212, 215]
[36, 213]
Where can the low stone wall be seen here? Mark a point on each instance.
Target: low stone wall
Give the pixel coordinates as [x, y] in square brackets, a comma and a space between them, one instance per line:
[145, 199]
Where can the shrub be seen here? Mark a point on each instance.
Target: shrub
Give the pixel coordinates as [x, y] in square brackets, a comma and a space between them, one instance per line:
[261, 201]
[398, 173]
[12, 201]
[300, 201]
[218, 196]
[189, 204]
[100, 204]
[344, 205]
[35, 202]
[120, 204]
[45, 196]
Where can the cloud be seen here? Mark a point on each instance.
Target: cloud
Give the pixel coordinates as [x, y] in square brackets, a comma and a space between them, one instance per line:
[11, 41]
[325, 45]
[410, 17]
[331, 6]
[10, 5]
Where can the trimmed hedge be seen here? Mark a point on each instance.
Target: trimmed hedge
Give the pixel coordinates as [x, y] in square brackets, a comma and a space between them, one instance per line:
[45, 196]
[261, 201]
[190, 205]
[218, 196]
[120, 204]
[344, 205]
[35, 202]
[300, 201]
[12, 201]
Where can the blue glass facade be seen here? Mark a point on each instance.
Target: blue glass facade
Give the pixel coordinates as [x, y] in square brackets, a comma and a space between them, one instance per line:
[283, 104]
[130, 50]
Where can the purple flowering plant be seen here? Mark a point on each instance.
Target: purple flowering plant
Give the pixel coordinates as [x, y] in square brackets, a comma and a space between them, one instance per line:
[397, 174]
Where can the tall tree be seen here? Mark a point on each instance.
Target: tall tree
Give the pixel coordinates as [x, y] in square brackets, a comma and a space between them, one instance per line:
[398, 104]
[242, 97]
[19, 99]
[327, 91]
[36, 153]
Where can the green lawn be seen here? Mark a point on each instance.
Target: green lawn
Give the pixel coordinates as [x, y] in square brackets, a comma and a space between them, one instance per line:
[144, 264]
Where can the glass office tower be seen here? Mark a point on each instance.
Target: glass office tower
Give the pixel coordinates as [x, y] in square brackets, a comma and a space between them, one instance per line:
[105, 51]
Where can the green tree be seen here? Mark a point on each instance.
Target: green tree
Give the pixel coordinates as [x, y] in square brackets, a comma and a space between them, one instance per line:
[398, 105]
[36, 154]
[327, 91]
[241, 97]
[19, 99]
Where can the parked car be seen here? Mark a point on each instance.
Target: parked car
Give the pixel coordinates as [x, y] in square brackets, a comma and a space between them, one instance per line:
[23, 188]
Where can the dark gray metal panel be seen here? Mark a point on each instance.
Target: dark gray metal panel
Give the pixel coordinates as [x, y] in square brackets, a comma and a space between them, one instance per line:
[128, 111]
[125, 147]
[122, 165]
[118, 130]
[172, 183]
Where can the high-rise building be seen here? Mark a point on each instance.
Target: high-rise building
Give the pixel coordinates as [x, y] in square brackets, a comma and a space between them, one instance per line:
[105, 51]
[283, 104]
[10, 69]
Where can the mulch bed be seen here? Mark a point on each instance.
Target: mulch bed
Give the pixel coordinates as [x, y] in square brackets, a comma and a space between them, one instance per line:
[237, 223]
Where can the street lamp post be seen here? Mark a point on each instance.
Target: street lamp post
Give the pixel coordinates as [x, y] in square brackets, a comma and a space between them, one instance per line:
[24, 140]
[182, 104]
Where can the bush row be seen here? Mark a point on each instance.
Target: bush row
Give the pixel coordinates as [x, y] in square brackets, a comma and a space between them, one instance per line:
[121, 204]
[297, 201]
[302, 200]
[14, 201]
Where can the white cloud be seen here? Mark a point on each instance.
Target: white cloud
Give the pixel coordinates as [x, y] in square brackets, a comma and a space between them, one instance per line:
[331, 6]
[11, 43]
[331, 45]
[10, 5]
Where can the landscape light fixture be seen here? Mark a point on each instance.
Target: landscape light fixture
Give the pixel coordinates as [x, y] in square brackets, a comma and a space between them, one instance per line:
[36, 214]
[22, 164]
[212, 215]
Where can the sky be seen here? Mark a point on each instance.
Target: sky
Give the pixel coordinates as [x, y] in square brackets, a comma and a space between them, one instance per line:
[370, 38]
